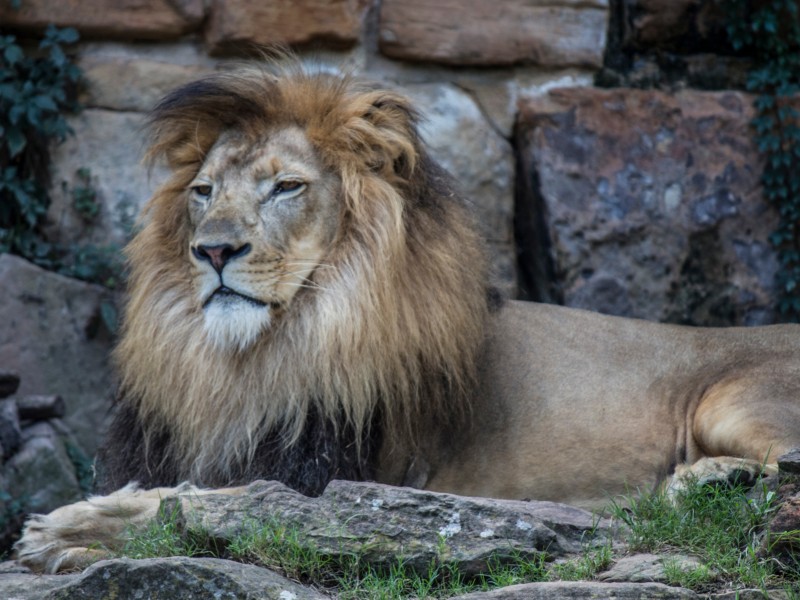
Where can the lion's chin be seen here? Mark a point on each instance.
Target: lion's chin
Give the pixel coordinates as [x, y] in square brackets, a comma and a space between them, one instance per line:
[235, 324]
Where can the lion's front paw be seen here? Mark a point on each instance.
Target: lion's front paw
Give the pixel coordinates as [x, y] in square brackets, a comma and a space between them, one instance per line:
[76, 535]
[47, 547]
[718, 470]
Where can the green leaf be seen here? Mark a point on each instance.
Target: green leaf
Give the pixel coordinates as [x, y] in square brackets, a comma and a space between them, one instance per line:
[108, 312]
[13, 54]
[44, 102]
[15, 141]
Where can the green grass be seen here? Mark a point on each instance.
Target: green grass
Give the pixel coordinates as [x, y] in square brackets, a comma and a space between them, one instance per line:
[719, 525]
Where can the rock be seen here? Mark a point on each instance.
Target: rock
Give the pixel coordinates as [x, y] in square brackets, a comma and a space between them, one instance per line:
[790, 462]
[557, 590]
[27, 586]
[781, 538]
[504, 32]
[133, 83]
[754, 594]
[41, 408]
[121, 184]
[10, 432]
[41, 474]
[249, 22]
[9, 382]
[481, 162]
[57, 342]
[175, 578]
[383, 524]
[181, 578]
[641, 568]
[645, 204]
[142, 19]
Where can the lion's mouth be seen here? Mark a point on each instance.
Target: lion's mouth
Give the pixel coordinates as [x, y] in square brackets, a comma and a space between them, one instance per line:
[224, 293]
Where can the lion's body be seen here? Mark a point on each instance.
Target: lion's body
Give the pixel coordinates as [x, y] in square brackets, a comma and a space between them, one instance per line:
[309, 300]
[579, 407]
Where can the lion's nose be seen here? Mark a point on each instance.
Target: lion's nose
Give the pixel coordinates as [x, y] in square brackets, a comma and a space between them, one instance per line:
[219, 254]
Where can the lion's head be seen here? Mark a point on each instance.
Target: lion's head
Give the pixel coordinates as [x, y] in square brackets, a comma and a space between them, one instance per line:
[306, 255]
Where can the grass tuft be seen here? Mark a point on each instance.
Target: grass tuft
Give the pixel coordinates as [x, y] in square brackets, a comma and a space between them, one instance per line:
[719, 524]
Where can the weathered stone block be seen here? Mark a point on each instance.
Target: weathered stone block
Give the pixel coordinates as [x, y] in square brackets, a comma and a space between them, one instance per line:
[133, 83]
[383, 524]
[54, 338]
[41, 475]
[474, 32]
[481, 162]
[120, 19]
[181, 578]
[110, 145]
[646, 204]
[232, 22]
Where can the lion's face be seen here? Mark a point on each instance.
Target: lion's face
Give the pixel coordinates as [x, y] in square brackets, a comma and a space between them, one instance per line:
[263, 214]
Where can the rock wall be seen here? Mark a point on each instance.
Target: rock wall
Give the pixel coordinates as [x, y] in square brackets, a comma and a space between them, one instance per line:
[635, 202]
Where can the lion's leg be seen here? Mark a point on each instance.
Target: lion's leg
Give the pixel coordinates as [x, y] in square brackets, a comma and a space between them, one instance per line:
[756, 418]
[76, 535]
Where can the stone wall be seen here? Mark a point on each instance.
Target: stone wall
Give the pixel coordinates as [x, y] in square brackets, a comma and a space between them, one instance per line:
[636, 202]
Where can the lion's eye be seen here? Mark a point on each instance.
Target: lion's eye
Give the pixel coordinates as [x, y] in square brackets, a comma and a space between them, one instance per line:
[202, 191]
[289, 185]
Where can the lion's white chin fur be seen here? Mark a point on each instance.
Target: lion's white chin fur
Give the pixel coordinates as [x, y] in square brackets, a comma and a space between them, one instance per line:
[235, 324]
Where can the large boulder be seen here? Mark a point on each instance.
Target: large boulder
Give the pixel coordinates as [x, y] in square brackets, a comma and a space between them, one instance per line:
[53, 335]
[383, 524]
[645, 204]
[175, 578]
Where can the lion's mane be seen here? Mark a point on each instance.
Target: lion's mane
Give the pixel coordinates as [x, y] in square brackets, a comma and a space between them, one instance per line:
[386, 340]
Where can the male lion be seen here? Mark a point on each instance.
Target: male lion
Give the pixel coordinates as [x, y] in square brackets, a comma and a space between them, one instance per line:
[309, 301]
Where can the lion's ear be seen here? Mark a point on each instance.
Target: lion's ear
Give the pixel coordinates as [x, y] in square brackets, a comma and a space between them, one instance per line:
[379, 133]
[396, 119]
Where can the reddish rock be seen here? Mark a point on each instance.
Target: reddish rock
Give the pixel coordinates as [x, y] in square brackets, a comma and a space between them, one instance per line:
[284, 22]
[120, 19]
[645, 204]
[475, 32]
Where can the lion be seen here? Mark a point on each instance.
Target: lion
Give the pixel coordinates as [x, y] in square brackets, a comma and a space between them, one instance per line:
[309, 299]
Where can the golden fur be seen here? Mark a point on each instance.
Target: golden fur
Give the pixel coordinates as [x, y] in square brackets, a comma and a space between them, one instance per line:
[361, 299]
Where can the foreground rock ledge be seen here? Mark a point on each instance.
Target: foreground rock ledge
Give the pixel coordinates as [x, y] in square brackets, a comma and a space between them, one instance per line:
[382, 523]
[176, 578]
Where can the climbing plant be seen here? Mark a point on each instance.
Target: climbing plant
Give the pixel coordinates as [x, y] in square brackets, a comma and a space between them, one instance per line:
[768, 31]
[36, 90]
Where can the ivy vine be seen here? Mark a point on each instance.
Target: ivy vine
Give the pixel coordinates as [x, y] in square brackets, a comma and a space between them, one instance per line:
[38, 88]
[769, 32]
